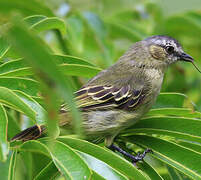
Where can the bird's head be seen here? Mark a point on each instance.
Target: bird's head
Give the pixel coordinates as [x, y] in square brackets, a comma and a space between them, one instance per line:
[156, 52]
[166, 49]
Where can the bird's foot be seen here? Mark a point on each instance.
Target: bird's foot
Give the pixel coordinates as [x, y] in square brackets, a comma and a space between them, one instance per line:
[134, 159]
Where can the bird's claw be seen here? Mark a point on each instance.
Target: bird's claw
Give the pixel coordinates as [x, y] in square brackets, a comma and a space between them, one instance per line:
[134, 159]
[140, 156]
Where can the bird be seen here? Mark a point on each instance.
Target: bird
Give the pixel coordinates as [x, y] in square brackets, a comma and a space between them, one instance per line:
[122, 94]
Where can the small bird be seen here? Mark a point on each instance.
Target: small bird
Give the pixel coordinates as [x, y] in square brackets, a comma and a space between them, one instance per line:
[119, 96]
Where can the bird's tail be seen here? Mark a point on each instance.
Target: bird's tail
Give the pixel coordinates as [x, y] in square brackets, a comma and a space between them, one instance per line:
[36, 131]
[30, 133]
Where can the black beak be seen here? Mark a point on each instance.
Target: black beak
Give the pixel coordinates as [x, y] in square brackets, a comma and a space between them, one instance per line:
[185, 57]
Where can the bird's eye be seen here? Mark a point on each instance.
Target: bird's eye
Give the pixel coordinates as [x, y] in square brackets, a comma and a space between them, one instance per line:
[170, 49]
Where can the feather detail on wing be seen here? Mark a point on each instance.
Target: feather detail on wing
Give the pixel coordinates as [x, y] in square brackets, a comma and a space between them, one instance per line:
[106, 97]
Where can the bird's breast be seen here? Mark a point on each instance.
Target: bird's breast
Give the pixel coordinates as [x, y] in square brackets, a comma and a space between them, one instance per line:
[155, 79]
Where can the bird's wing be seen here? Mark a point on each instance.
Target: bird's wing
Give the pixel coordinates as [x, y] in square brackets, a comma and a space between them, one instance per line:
[107, 97]
[113, 88]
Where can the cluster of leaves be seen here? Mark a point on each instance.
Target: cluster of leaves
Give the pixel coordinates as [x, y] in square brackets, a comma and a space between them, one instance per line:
[43, 61]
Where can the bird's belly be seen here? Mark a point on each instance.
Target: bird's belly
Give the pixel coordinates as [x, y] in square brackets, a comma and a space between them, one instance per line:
[105, 122]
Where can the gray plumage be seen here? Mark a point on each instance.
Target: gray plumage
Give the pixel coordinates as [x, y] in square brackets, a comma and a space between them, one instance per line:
[119, 96]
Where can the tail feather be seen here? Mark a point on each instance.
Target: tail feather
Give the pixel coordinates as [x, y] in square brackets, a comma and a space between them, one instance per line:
[31, 133]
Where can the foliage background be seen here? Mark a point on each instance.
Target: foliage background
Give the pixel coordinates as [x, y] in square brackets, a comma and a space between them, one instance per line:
[53, 47]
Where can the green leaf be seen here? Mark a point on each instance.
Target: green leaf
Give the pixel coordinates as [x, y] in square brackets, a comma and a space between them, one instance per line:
[101, 168]
[15, 68]
[48, 172]
[75, 32]
[19, 68]
[105, 155]
[40, 113]
[166, 100]
[28, 86]
[99, 32]
[175, 24]
[79, 70]
[195, 18]
[12, 166]
[4, 47]
[28, 163]
[67, 59]
[96, 24]
[3, 134]
[40, 59]
[179, 157]
[195, 146]
[178, 127]
[34, 146]
[181, 112]
[173, 173]
[31, 20]
[120, 30]
[150, 171]
[4, 167]
[96, 176]
[10, 98]
[45, 23]
[27, 8]
[67, 161]
[13, 126]
[21, 72]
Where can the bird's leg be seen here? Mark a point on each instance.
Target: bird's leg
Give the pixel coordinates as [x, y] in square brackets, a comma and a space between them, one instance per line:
[134, 159]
